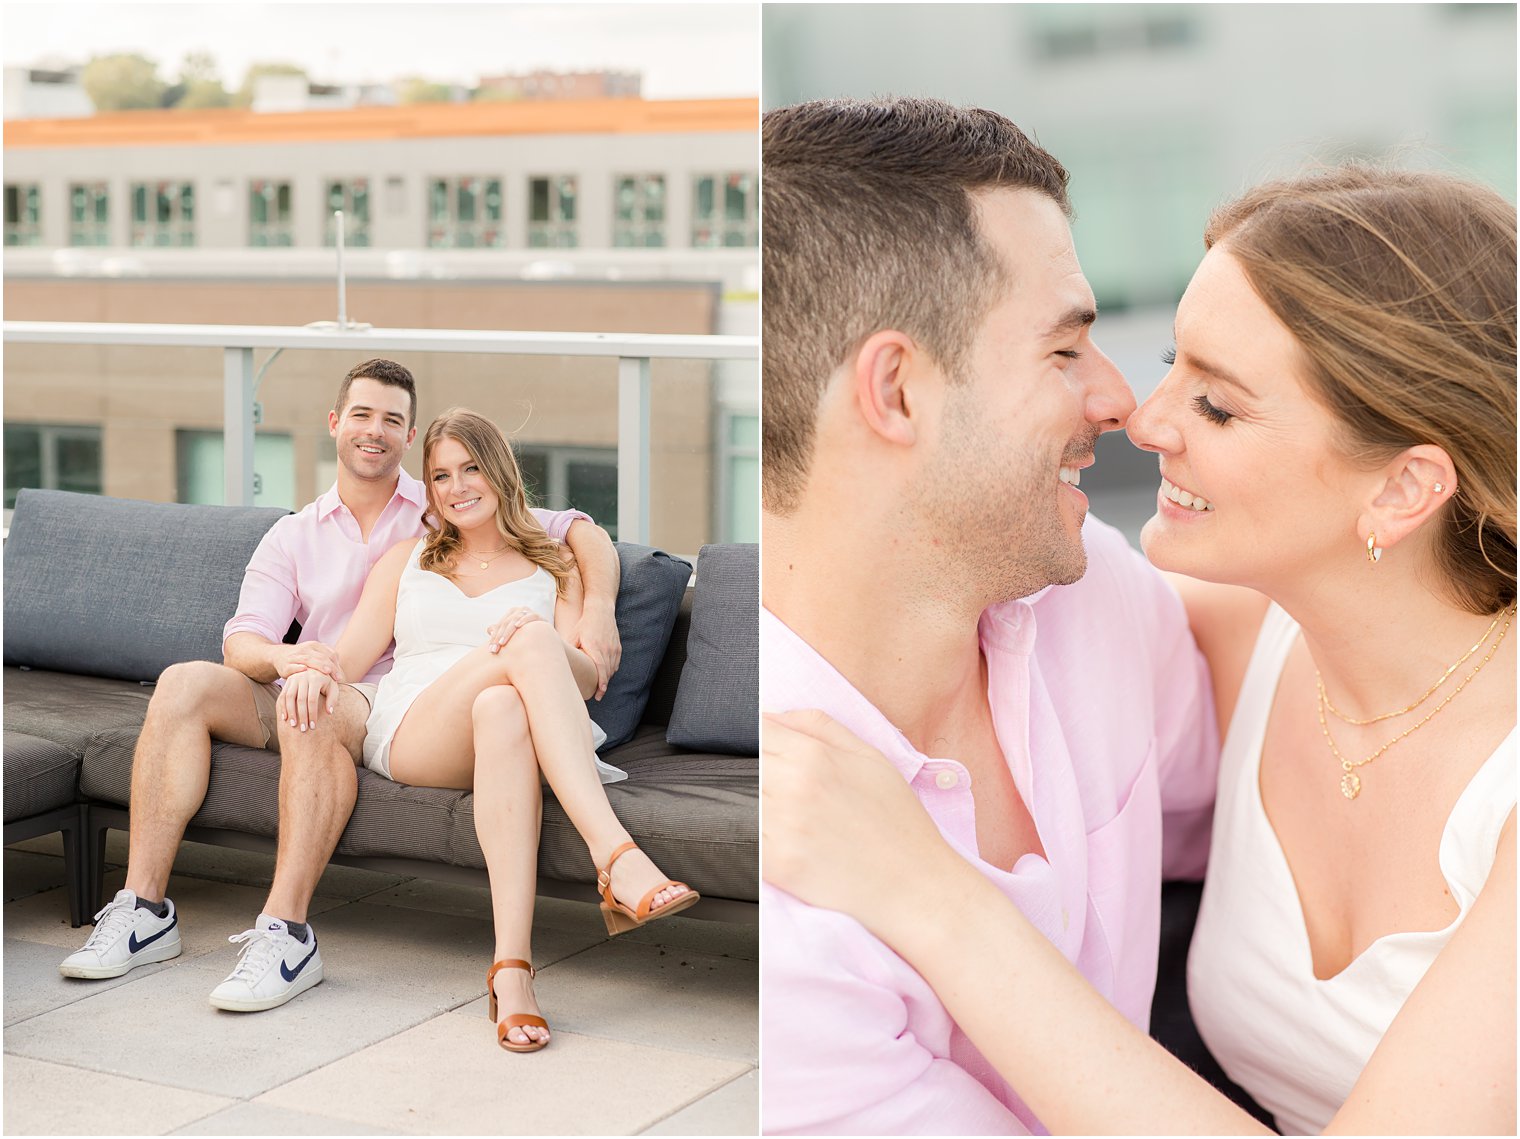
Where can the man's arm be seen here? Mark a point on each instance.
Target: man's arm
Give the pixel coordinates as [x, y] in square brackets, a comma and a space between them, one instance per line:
[596, 633]
[252, 641]
[840, 1053]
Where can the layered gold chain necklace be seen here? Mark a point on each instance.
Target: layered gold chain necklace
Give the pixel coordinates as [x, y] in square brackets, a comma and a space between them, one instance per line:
[1351, 782]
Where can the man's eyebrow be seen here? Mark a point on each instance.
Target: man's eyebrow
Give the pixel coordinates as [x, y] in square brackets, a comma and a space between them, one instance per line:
[1070, 322]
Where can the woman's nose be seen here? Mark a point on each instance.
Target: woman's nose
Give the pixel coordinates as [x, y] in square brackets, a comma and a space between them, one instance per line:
[1153, 426]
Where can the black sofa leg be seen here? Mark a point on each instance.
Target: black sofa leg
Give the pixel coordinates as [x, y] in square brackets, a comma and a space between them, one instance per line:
[96, 862]
[76, 862]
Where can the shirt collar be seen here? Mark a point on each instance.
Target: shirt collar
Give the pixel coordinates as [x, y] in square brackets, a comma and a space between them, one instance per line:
[407, 487]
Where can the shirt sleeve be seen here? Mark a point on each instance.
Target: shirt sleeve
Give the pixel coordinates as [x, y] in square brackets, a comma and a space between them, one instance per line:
[557, 522]
[268, 601]
[840, 1056]
[1187, 732]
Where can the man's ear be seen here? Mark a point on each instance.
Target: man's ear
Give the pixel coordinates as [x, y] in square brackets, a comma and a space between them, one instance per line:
[883, 366]
[1415, 484]
[332, 424]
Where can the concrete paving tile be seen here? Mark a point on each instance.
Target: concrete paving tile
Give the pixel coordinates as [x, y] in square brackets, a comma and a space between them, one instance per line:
[210, 913]
[438, 959]
[34, 986]
[475, 901]
[447, 1077]
[644, 994]
[27, 873]
[42, 844]
[162, 1029]
[719, 938]
[734, 1109]
[262, 1119]
[57, 1099]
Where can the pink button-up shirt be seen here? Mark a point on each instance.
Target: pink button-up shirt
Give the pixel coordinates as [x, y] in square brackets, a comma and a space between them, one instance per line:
[311, 566]
[1103, 709]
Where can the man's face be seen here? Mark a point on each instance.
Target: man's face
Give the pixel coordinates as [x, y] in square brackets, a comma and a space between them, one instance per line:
[1019, 426]
[371, 430]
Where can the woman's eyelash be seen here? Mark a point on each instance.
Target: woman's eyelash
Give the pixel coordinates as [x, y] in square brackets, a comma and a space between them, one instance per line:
[1169, 355]
[1213, 414]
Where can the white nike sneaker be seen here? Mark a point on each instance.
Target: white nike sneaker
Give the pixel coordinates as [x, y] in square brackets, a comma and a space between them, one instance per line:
[124, 937]
[274, 967]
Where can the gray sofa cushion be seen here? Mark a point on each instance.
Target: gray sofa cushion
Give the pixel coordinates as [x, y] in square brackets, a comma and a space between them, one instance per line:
[114, 587]
[69, 709]
[39, 775]
[718, 704]
[696, 815]
[649, 596]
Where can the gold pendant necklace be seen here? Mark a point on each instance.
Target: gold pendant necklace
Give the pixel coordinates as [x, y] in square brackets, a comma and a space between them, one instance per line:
[1351, 782]
[476, 557]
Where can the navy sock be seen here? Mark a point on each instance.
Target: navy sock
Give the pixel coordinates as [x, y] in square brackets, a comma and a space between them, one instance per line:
[157, 909]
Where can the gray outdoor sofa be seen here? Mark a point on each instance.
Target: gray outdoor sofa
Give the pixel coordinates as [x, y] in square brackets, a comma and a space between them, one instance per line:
[102, 594]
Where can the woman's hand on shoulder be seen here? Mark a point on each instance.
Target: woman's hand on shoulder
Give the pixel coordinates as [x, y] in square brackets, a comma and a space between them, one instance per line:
[840, 827]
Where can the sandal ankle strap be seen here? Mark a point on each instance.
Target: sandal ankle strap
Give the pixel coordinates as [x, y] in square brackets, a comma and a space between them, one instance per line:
[509, 963]
[604, 874]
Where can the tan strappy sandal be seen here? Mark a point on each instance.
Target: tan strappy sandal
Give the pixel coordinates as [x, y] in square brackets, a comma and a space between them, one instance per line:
[619, 918]
[516, 1020]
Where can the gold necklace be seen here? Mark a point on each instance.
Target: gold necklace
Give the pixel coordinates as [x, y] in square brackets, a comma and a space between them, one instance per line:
[1429, 692]
[1351, 782]
[476, 557]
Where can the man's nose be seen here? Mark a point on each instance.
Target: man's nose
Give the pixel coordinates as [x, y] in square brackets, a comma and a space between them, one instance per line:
[1109, 400]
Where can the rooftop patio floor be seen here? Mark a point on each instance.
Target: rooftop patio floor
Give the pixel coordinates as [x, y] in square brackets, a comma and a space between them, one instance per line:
[655, 1032]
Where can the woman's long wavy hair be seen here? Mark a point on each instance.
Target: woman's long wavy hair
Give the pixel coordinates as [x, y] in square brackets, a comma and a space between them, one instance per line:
[1400, 288]
[519, 529]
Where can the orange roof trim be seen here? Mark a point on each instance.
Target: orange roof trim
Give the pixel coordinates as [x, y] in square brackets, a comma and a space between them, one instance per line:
[425, 120]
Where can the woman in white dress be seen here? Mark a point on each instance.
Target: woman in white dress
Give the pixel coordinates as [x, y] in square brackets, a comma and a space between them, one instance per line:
[457, 710]
[1337, 445]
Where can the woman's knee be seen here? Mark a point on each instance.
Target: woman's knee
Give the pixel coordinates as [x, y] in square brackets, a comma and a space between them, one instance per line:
[534, 646]
[499, 709]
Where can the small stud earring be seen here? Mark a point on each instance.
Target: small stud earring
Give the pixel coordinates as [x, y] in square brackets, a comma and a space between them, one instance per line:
[1439, 488]
[1374, 551]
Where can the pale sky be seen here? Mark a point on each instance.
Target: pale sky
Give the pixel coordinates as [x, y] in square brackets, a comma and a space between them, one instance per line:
[683, 50]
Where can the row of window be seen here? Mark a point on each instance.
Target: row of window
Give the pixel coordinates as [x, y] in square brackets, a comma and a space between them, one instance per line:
[462, 212]
[68, 457]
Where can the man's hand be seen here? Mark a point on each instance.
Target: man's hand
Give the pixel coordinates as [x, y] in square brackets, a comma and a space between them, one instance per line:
[312, 655]
[499, 634]
[596, 634]
[304, 696]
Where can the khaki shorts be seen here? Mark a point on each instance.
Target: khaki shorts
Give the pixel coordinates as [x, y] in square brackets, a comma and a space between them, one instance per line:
[265, 703]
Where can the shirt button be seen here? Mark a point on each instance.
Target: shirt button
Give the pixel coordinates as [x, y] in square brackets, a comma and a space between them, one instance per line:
[946, 780]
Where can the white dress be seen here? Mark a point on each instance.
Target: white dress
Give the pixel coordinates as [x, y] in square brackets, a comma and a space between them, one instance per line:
[1295, 1042]
[436, 627]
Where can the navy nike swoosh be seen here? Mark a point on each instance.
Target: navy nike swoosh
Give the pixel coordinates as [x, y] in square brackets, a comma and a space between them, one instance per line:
[291, 975]
[133, 945]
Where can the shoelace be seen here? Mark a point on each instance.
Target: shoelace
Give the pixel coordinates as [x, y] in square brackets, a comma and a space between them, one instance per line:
[110, 922]
[255, 958]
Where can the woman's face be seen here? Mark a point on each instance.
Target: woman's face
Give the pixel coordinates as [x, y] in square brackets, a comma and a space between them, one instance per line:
[461, 492]
[1269, 497]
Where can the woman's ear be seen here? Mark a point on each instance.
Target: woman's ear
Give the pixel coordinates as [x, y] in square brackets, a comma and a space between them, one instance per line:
[1414, 485]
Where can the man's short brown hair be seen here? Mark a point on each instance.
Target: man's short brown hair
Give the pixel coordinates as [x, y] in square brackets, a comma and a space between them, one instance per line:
[386, 372]
[869, 224]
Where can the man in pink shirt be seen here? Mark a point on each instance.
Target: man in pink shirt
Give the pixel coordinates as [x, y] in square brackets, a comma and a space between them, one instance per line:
[310, 567]
[932, 583]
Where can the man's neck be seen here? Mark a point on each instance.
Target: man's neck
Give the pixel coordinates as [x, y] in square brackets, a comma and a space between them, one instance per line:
[904, 636]
[365, 499]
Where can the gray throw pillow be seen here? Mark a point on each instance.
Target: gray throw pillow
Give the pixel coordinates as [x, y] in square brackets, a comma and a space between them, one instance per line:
[649, 597]
[119, 588]
[718, 704]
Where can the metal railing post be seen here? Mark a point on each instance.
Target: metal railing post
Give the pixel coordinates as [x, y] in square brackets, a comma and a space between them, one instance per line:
[633, 449]
[237, 425]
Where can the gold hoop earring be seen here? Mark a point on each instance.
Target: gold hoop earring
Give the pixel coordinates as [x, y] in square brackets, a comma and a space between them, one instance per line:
[1374, 551]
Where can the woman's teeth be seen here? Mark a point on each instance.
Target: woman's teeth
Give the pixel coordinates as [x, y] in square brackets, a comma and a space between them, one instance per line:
[1072, 476]
[1184, 498]
[467, 503]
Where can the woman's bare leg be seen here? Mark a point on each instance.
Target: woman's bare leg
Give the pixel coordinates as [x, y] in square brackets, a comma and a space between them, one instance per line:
[533, 662]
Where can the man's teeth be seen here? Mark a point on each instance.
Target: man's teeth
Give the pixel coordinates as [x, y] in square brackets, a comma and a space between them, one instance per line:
[367, 449]
[1071, 475]
[1185, 498]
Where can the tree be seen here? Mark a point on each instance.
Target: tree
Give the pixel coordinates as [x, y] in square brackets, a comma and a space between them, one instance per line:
[421, 91]
[245, 92]
[123, 82]
[200, 85]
